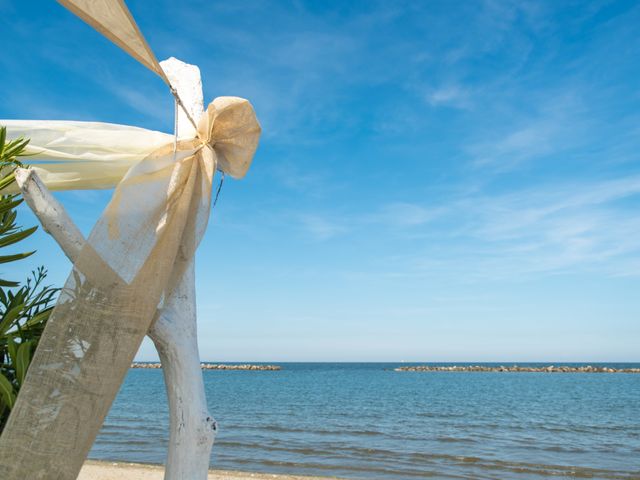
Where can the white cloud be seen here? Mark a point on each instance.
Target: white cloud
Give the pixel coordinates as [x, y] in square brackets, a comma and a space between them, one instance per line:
[405, 214]
[449, 96]
[321, 228]
[555, 126]
[301, 178]
[560, 228]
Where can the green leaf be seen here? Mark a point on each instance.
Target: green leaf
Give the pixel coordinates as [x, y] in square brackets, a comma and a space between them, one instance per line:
[3, 139]
[7, 393]
[12, 347]
[13, 258]
[38, 318]
[9, 317]
[23, 359]
[5, 206]
[7, 240]
[14, 148]
[6, 181]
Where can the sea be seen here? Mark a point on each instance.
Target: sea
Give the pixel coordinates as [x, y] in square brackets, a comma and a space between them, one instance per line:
[367, 421]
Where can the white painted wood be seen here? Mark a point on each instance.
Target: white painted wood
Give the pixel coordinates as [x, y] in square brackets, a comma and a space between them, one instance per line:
[54, 218]
[185, 78]
[174, 332]
[192, 429]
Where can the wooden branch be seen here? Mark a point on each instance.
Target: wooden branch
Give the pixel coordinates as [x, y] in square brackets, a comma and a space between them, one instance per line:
[53, 217]
[192, 428]
[174, 333]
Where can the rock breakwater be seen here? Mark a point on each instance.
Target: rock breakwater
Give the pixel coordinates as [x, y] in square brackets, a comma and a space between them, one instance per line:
[516, 368]
[213, 366]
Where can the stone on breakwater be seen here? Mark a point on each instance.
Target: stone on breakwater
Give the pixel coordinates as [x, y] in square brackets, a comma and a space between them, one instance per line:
[516, 368]
[211, 366]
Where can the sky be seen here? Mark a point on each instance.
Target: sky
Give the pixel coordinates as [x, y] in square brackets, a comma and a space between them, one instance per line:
[436, 180]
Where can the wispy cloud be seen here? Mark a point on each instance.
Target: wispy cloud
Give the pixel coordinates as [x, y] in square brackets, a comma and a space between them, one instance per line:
[449, 96]
[302, 178]
[552, 229]
[320, 228]
[557, 125]
[402, 214]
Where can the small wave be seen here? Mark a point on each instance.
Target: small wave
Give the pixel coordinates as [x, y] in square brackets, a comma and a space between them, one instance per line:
[441, 414]
[306, 431]
[445, 439]
[564, 449]
[274, 447]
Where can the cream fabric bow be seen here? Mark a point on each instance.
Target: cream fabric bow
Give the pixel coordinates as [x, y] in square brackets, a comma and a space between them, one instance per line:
[231, 129]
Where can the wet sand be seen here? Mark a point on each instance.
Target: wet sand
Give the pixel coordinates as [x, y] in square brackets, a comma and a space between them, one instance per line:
[93, 470]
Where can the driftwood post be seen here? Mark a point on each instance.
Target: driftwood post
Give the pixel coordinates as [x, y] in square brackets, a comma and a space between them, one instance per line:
[174, 332]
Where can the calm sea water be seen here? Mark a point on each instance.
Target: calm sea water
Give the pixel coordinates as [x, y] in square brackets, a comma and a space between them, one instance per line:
[366, 421]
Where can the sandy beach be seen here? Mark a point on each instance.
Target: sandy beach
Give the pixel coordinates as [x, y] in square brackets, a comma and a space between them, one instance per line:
[94, 470]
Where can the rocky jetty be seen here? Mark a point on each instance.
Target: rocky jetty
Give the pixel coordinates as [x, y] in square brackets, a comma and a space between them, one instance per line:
[516, 368]
[213, 366]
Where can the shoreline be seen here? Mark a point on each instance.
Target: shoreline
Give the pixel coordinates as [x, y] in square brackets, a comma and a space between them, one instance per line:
[112, 470]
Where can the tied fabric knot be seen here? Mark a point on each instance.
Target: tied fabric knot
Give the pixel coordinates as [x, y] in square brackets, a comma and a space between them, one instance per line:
[226, 140]
[230, 128]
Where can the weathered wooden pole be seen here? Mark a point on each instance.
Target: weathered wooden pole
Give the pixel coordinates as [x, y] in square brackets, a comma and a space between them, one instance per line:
[174, 333]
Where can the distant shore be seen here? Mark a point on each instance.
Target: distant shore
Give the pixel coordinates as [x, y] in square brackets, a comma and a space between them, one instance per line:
[214, 366]
[426, 368]
[94, 470]
[516, 369]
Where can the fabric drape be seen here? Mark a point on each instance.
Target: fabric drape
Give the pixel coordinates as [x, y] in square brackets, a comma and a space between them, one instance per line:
[120, 280]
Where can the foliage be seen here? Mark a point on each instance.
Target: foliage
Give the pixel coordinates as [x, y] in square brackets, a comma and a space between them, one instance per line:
[24, 309]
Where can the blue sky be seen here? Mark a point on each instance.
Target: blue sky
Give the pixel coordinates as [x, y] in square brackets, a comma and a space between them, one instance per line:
[436, 181]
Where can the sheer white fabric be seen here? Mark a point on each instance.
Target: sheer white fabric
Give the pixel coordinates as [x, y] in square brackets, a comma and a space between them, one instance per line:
[84, 155]
[93, 155]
